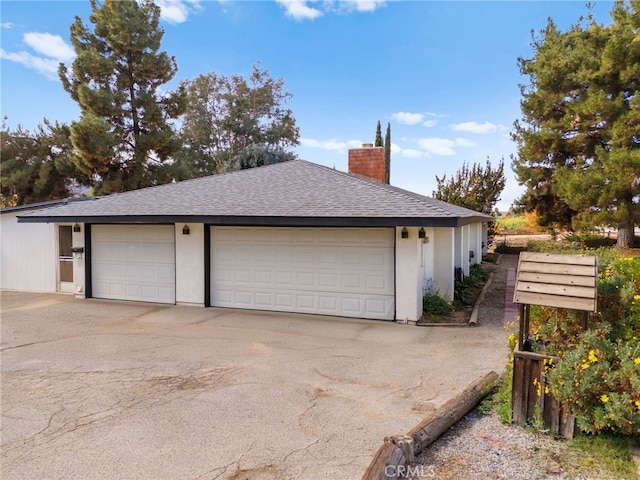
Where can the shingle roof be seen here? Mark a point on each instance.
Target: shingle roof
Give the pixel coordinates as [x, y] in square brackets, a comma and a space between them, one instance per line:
[291, 193]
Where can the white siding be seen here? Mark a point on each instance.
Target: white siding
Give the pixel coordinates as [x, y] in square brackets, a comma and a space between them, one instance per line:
[444, 262]
[190, 264]
[409, 275]
[29, 255]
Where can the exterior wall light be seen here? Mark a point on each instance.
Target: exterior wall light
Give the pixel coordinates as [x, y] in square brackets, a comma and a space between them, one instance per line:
[422, 233]
[405, 233]
[185, 230]
[77, 228]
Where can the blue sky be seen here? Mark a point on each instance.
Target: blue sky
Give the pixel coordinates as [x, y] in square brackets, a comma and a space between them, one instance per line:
[443, 73]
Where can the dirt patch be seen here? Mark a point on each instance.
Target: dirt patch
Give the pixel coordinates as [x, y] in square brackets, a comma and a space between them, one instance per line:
[456, 317]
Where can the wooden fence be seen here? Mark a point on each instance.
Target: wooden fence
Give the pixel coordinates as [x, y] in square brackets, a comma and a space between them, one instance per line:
[530, 398]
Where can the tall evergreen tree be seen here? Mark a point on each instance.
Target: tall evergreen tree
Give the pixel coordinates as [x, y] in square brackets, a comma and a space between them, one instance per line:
[233, 123]
[124, 135]
[387, 155]
[579, 142]
[378, 142]
[36, 166]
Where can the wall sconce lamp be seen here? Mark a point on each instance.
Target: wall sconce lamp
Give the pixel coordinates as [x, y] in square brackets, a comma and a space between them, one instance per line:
[77, 228]
[185, 230]
[405, 233]
[422, 233]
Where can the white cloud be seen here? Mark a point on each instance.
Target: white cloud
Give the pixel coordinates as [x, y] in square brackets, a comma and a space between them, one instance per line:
[361, 5]
[408, 118]
[52, 46]
[331, 145]
[438, 146]
[51, 51]
[429, 123]
[45, 66]
[443, 147]
[6, 25]
[303, 9]
[412, 153]
[177, 11]
[299, 10]
[474, 127]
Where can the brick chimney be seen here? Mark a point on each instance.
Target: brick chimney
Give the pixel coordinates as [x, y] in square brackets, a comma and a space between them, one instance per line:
[368, 161]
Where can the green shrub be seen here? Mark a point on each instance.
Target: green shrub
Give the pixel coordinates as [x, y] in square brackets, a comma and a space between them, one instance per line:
[600, 380]
[489, 257]
[505, 249]
[599, 375]
[590, 240]
[465, 291]
[605, 255]
[478, 271]
[434, 304]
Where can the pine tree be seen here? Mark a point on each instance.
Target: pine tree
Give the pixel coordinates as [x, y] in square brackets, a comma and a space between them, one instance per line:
[387, 155]
[578, 143]
[378, 142]
[36, 166]
[123, 137]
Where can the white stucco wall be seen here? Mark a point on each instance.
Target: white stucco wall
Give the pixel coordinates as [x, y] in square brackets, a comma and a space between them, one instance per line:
[190, 264]
[457, 252]
[79, 263]
[28, 260]
[485, 237]
[475, 242]
[444, 261]
[466, 248]
[427, 260]
[408, 275]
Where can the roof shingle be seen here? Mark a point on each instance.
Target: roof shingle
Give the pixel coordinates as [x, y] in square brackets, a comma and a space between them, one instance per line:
[295, 192]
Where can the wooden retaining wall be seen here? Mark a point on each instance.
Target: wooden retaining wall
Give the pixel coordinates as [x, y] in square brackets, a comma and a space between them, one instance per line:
[529, 396]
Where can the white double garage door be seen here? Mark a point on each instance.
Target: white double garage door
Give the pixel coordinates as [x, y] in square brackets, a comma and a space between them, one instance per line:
[332, 271]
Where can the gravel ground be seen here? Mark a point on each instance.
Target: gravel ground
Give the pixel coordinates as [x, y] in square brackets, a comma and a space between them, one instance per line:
[480, 446]
[491, 310]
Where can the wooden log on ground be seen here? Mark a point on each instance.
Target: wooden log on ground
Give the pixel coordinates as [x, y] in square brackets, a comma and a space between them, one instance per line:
[385, 462]
[400, 450]
[427, 431]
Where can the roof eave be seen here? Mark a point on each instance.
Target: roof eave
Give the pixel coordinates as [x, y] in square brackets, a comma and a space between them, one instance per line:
[266, 221]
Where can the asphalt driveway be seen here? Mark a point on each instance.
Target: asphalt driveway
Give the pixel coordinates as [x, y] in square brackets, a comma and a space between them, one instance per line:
[111, 390]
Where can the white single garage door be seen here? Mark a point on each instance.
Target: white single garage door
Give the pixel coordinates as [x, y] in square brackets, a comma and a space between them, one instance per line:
[331, 271]
[133, 262]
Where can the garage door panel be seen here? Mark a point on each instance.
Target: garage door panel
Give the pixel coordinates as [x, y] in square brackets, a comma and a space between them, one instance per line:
[375, 306]
[133, 262]
[131, 290]
[313, 270]
[306, 279]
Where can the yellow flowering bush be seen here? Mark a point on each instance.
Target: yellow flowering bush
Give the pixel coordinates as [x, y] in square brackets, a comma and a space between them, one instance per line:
[599, 375]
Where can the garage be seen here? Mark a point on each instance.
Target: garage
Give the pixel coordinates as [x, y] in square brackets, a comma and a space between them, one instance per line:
[331, 271]
[133, 262]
